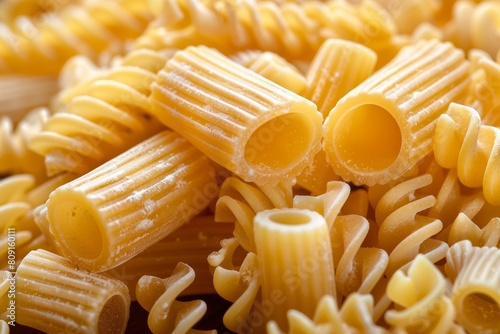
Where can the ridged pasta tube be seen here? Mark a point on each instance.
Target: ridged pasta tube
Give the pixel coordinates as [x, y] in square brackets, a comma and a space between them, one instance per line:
[114, 212]
[421, 293]
[54, 296]
[384, 126]
[475, 294]
[244, 122]
[167, 315]
[295, 261]
[337, 68]
[461, 142]
[89, 29]
[191, 243]
[101, 118]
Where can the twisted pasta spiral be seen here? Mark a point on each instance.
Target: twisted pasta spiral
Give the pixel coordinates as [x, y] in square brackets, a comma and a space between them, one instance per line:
[42, 47]
[15, 156]
[239, 202]
[292, 30]
[421, 293]
[355, 316]
[403, 232]
[461, 142]
[104, 118]
[167, 315]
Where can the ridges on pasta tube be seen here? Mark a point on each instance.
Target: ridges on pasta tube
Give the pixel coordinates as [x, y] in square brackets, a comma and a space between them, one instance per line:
[112, 213]
[257, 129]
[381, 128]
[54, 296]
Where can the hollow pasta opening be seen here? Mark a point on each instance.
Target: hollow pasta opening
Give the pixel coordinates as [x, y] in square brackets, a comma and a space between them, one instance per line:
[114, 316]
[482, 311]
[77, 229]
[290, 218]
[279, 143]
[368, 138]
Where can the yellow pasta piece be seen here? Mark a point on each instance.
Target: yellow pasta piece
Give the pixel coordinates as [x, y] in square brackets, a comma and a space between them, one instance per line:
[239, 285]
[10, 10]
[295, 261]
[408, 15]
[239, 201]
[88, 29]
[355, 316]
[114, 212]
[167, 315]
[357, 269]
[404, 232]
[474, 273]
[328, 204]
[102, 120]
[421, 293]
[53, 295]
[244, 122]
[23, 93]
[337, 68]
[274, 68]
[463, 228]
[15, 155]
[461, 141]
[289, 29]
[317, 174]
[192, 243]
[380, 129]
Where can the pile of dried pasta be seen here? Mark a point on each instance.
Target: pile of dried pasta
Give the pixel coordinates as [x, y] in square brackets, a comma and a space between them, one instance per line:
[325, 166]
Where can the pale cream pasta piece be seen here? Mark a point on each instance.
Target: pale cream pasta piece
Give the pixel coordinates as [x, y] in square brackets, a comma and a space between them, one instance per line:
[357, 269]
[166, 314]
[475, 277]
[421, 295]
[239, 201]
[338, 67]
[242, 121]
[238, 284]
[4, 327]
[355, 316]
[191, 243]
[463, 228]
[380, 129]
[405, 230]
[275, 68]
[102, 117]
[462, 142]
[114, 212]
[43, 47]
[295, 261]
[53, 295]
[23, 93]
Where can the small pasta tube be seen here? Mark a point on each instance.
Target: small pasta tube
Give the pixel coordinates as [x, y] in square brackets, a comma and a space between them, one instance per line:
[384, 126]
[338, 67]
[475, 292]
[295, 261]
[253, 127]
[114, 212]
[54, 296]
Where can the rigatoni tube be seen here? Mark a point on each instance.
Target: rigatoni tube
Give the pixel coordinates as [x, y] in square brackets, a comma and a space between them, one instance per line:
[257, 129]
[381, 128]
[114, 212]
[54, 296]
[295, 261]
